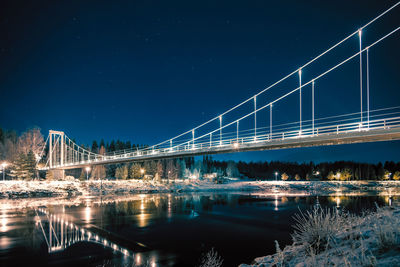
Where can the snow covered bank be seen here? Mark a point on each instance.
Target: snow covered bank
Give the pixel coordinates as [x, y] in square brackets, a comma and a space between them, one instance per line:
[328, 238]
[30, 189]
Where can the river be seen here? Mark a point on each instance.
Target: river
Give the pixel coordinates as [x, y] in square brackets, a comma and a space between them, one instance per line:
[158, 229]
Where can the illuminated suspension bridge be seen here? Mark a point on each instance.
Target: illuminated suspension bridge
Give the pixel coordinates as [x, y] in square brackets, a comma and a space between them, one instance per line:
[224, 134]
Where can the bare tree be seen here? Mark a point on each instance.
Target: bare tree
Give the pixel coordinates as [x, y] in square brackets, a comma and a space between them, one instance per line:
[31, 140]
[171, 170]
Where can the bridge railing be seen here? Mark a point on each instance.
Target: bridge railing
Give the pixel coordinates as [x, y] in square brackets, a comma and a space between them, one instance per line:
[233, 140]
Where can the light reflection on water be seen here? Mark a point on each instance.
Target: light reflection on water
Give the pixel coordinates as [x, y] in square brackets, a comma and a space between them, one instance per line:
[4, 221]
[163, 229]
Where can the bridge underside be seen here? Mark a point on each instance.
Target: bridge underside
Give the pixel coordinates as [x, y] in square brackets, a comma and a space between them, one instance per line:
[361, 136]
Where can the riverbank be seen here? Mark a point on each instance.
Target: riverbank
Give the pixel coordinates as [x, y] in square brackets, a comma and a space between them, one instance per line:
[328, 238]
[40, 189]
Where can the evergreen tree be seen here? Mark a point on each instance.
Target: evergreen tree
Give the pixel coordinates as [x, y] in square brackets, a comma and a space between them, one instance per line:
[102, 144]
[122, 172]
[128, 145]
[18, 170]
[99, 171]
[30, 165]
[150, 167]
[1, 135]
[112, 146]
[95, 147]
[134, 171]
[182, 170]
[232, 170]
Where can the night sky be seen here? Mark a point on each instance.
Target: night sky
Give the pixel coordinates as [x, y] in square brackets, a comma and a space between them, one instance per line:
[148, 70]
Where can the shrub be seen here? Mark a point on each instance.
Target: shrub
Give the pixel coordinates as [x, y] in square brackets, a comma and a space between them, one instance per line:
[387, 231]
[317, 228]
[211, 259]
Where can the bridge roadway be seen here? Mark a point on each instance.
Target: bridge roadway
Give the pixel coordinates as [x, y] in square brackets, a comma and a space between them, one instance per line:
[262, 143]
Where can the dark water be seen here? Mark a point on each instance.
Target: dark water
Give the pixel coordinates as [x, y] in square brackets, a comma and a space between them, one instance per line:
[157, 230]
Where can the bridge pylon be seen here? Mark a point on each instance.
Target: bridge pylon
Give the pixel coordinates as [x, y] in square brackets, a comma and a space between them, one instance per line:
[56, 148]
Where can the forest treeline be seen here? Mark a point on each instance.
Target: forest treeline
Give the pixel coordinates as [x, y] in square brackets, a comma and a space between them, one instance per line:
[21, 152]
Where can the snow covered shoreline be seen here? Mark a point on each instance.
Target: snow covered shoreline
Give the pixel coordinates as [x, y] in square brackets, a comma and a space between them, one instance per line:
[328, 239]
[40, 189]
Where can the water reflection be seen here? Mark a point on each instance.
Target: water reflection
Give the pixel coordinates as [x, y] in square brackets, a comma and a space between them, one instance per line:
[88, 212]
[4, 221]
[60, 233]
[168, 229]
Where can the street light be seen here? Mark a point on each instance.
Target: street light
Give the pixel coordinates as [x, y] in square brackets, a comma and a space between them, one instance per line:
[142, 172]
[4, 165]
[87, 173]
[276, 176]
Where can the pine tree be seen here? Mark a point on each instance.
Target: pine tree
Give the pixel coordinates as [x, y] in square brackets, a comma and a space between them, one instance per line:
[30, 165]
[150, 167]
[125, 172]
[134, 171]
[122, 172]
[19, 167]
[232, 170]
[118, 172]
[102, 144]
[95, 147]
[99, 171]
[112, 146]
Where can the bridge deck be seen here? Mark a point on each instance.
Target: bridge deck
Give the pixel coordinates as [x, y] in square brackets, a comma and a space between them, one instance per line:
[339, 138]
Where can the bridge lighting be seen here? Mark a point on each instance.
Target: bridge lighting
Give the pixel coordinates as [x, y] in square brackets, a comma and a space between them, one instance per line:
[359, 32]
[276, 176]
[3, 166]
[236, 145]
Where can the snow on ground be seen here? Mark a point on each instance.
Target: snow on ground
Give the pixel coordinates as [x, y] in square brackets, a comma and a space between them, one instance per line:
[341, 240]
[30, 189]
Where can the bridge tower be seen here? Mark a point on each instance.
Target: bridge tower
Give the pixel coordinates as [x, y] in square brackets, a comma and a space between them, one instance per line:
[57, 150]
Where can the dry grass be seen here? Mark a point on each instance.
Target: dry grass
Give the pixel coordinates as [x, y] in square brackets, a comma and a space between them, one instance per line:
[211, 259]
[316, 229]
